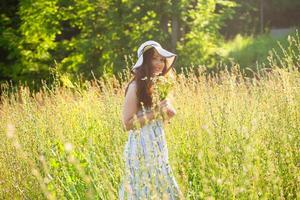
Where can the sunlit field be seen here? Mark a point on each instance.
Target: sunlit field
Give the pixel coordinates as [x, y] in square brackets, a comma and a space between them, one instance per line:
[232, 138]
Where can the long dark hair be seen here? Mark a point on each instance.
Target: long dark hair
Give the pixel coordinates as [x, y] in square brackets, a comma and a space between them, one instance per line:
[145, 87]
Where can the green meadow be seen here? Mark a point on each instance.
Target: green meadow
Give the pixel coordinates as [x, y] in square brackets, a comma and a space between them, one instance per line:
[233, 137]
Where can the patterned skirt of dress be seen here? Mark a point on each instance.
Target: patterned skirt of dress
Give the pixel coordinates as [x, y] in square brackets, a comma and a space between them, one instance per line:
[148, 174]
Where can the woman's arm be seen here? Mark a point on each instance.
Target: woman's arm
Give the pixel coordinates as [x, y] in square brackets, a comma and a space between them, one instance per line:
[132, 121]
[129, 118]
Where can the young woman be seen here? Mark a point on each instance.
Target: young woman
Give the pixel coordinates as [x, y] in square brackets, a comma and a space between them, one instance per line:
[148, 174]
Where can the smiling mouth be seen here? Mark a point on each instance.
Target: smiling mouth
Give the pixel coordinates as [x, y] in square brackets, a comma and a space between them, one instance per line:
[157, 73]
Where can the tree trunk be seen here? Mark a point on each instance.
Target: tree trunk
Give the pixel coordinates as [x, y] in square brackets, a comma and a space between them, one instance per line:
[261, 16]
[164, 23]
[175, 29]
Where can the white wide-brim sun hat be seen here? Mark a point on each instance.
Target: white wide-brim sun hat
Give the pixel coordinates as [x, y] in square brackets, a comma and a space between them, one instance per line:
[170, 57]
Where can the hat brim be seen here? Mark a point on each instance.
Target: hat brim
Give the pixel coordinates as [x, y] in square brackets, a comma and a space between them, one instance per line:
[170, 59]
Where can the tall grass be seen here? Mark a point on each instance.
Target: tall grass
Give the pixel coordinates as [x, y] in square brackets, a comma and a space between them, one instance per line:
[232, 138]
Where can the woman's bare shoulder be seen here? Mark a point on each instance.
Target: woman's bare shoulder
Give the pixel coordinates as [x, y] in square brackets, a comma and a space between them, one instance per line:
[133, 82]
[131, 89]
[132, 85]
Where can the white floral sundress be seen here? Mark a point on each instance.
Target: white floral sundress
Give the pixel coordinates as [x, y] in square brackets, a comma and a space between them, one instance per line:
[148, 174]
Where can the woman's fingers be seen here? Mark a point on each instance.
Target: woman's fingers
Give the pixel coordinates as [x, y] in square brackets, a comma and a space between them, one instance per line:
[167, 108]
[165, 102]
[171, 112]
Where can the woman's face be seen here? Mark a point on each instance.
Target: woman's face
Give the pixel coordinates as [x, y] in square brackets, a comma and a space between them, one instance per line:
[158, 63]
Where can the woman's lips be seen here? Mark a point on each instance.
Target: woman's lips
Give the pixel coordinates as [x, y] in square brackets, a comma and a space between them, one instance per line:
[158, 69]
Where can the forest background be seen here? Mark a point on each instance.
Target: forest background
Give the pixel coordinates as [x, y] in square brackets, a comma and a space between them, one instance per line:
[98, 38]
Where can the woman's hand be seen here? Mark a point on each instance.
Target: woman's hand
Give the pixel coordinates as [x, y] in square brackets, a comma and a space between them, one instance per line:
[171, 111]
[166, 109]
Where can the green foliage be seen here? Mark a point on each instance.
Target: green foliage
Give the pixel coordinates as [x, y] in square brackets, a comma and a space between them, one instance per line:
[81, 36]
[200, 43]
[244, 20]
[253, 52]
